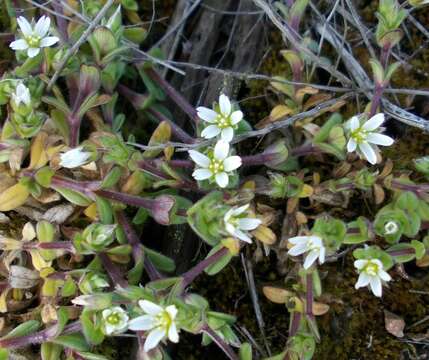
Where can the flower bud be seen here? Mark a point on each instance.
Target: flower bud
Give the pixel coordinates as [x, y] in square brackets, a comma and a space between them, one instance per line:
[94, 301]
[92, 283]
[95, 238]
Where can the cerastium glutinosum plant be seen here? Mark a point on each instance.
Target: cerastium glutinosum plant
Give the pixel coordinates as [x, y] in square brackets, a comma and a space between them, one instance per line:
[77, 264]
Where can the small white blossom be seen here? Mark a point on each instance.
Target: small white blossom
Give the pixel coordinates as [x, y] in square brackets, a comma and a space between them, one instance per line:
[364, 138]
[115, 320]
[217, 165]
[237, 225]
[222, 122]
[21, 95]
[310, 245]
[371, 273]
[74, 158]
[34, 38]
[159, 321]
[390, 228]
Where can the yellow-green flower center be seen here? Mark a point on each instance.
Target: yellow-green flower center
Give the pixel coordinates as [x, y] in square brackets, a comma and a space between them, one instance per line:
[371, 269]
[163, 319]
[359, 135]
[223, 122]
[113, 319]
[33, 41]
[216, 166]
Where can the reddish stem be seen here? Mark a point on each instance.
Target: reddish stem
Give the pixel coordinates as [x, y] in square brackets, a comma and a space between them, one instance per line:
[173, 94]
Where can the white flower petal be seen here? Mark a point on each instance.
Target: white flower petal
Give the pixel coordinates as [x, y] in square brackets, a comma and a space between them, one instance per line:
[368, 152]
[379, 139]
[144, 322]
[360, 263]
[249, 223]
[150, 307]
[374, 122]
[239, 210]
[202, 174]
[311, 258]
[230, 228]
[207, 114]
[298, 249]
[322, 255]
[172, 311]
[222, 179]
[224, 105]
[354, 123]
[227, 134]
[210, 132]
[231, 163]
[109, 329]
[236, 117]
[153, 339]
[351, 145]
[221, 150]
[242, 236]
[363, 280]
[42, 26]
[20, 44]
[375, 284]
[33, 52]
[199, 159]
[49, 41]
[25, 26]
[384, 275]
[173, 336]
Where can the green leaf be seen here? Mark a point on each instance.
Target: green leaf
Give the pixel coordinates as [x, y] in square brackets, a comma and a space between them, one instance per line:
[104, 210]
[74, 197]
[24, 329]
[324, 131]
[419, 247]
[402, 247]
[60, 106]
[135, 274]
[44, 175]
[93, 333]
[111, 178]
[51, 351]
[91, 356]
[161, 262]
[74, 341]
[151, 86]
[4, 354]
[135, 35]
[220, 264]
[59, 119]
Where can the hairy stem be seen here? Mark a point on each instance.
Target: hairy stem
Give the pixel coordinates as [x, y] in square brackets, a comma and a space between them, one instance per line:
[198, 269]
[113, 271]
[220, 343]
[137, 250]
[173, 94]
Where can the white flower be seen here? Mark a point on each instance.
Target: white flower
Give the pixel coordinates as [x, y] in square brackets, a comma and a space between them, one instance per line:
[365, 139]
[222, 122]
[21, 95]
[34, 38]
[371, 273]
[115, 320]
[74, 158]
[237, 225]
[217, 165]
[312, 245]
[390, 228]
[159, 321]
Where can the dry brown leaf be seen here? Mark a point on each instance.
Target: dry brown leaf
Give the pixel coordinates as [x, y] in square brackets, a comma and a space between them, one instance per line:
[394, 324]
